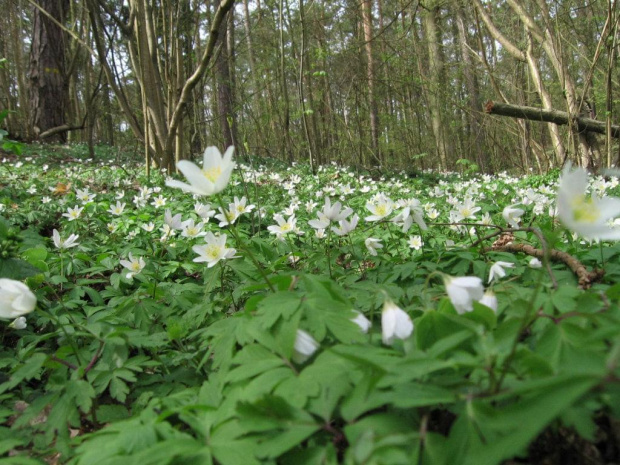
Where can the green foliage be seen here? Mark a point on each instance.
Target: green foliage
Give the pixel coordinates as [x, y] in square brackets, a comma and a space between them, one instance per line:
[184, 363]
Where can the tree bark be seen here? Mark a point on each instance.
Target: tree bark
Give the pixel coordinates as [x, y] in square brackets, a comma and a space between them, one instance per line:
[435, 71]
[224, 88]
[471, 83]
[47, 77]
[370, 76]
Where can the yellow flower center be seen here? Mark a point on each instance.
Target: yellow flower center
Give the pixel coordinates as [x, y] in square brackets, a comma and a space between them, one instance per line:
[585, 210]
[213, 251]
[212, 174]
[285, 227]
[381, 209]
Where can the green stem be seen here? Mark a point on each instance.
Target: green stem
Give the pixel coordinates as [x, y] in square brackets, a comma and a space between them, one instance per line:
[327, 250]
[513, 349]
[64, 331]
[233, 230]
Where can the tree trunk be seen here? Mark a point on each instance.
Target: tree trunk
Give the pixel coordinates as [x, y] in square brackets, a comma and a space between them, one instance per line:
[224, 88]
[473, 96]
[435, 70]
[48, 91]
[370, 77]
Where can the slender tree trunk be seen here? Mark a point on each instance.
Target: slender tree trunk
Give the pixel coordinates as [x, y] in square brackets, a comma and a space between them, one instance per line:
[286, 136]
[435, 70]
[224, 86]
[473, 95]
[370, 77]
[47, 77]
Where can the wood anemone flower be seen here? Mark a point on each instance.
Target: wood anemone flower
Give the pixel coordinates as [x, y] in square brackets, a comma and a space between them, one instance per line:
[212, 178]
[395, 323]
[586, 215]
[16, 299]
[463, 291]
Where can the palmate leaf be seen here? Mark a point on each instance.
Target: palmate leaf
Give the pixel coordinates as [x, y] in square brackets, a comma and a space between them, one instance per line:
[484, 434]
[282, 425]
[253, 360]
[186, 451]
[28, 370]
[229, 448]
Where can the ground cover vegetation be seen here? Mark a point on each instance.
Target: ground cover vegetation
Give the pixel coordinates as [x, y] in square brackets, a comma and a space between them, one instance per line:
[262, 314]
[309, 231]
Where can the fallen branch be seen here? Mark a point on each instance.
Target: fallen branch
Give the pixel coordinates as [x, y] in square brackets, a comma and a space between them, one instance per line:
[59, 129]
[586, 278]
[549, 116]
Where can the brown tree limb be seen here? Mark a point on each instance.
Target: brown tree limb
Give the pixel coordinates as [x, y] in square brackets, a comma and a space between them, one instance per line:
[58, 129]
[192, 81]
[586, 278]
[549, 116]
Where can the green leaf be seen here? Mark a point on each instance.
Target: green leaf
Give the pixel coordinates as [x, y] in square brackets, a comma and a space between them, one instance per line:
[111, 412]
[434, 326]
[14, 268]
[509, 429]
[28, 370]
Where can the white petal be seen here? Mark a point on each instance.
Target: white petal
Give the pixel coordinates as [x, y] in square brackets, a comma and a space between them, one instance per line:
[196, 177]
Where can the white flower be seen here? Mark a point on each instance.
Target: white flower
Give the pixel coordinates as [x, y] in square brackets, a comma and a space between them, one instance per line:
[84, 196]
[192, 230]
[372, 244]
[204, 210]
[148, 227]
[466, 210]
[535, 263]
[240, 206]
[415, 242]
[227, 217]
[283, 227]
[490, 300]
[73, 213]
[411, 212]
[395, 323]
[16, 299]
[345, 227]
[212, 178]
[584, 215]
[173, 222]
[330, 213]
[380, 207]
[360, 320]
[159, 201]
[305, 346]
[497, 270]
[19, 323]
[66, 243]
[134, 265]
[433, 214]
[214, 250]
[462, 292]
[512, 215]
[117, 209]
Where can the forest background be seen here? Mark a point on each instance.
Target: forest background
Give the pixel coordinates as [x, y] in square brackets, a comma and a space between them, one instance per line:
[390, 84]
